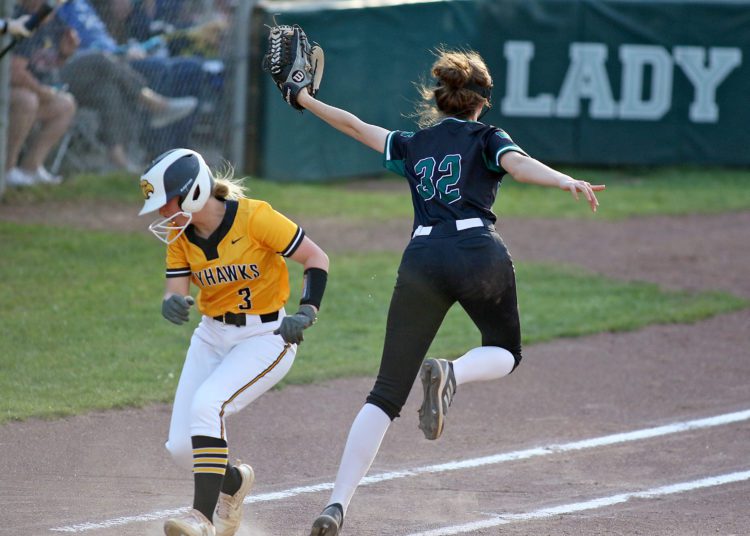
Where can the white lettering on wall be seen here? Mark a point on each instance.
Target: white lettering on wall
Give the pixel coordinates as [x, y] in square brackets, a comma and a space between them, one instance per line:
[634, 59]
[705, 80]
[586, 79]
[519, 54]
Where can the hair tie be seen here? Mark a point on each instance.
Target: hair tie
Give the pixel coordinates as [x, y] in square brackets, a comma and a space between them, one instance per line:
[483, 91]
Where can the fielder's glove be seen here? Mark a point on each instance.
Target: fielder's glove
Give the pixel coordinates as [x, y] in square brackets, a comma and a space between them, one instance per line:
[294, 63]
[291, 327]
[176, 308]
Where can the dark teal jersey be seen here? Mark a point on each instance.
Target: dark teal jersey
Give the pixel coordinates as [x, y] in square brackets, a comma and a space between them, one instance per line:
[453, 168]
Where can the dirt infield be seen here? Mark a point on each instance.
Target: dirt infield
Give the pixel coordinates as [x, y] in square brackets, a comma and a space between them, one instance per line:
[512, 448]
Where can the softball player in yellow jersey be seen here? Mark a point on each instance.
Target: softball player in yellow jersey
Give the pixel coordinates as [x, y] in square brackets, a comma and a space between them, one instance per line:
[232, 248]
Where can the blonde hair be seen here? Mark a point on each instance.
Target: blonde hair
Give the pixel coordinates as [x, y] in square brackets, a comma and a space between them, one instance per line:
[455, 71]
[226, 185]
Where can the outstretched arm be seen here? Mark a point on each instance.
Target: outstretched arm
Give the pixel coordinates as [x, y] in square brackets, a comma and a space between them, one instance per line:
[371, 135]
[525, 169]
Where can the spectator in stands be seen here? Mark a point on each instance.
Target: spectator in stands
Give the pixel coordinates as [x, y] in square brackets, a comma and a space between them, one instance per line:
[32, 103]
[93, 32]
[173, 77]
[145, 19]
[178, 13]
[188, 28]
[116, 17]
[194, 34]
[101, 82]
[202, 40]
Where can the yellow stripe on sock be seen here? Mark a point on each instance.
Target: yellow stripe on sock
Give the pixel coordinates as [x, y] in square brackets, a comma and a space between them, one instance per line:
[222, 461]
[214, 470]
[212, 450]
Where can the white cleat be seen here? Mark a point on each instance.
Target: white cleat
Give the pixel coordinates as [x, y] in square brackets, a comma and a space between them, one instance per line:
[191, 524]
[228, 515]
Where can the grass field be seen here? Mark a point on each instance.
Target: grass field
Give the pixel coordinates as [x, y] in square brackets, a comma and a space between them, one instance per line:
[630, 193]
[81, 324]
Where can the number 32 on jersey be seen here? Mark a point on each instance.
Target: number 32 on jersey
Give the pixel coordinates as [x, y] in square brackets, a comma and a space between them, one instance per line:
[440, 179]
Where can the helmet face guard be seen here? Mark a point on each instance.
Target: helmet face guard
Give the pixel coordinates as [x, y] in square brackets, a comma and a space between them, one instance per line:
[180, 173]
[166, 230]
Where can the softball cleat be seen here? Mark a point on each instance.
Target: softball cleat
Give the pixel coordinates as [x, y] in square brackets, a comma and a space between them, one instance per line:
[439, 386]
[228, 515]
[329, 522]
[193, 523]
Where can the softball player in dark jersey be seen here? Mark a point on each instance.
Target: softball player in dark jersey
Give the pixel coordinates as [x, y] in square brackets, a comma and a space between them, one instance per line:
[454, 165]
[232, 248]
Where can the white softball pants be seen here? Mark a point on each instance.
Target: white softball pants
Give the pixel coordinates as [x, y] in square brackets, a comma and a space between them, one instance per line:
[226, 368]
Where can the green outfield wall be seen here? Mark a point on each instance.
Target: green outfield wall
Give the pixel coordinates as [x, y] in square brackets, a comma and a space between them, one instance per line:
[624, 82]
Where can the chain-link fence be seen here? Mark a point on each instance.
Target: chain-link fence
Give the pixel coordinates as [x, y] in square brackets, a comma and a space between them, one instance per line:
[107, 85]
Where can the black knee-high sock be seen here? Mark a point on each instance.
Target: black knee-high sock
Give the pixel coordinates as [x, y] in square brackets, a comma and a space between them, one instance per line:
[209, 465]
[232, 480]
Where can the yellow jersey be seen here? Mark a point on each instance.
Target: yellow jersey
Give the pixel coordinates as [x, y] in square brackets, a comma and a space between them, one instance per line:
[240, 268]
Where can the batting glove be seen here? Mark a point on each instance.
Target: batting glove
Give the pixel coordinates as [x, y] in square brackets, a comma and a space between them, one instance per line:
[291, 327]
[176, 308]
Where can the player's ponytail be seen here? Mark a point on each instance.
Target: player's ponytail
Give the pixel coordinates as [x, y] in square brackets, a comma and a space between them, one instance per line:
[461, 83]
[226, 185]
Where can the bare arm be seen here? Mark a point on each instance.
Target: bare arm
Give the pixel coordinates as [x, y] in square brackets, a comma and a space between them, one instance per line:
[309, 255]
[525, 169]
[20, 76]
[177, 285]
[371, 135]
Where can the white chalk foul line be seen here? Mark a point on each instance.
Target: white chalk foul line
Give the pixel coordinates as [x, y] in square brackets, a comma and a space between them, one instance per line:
[613, 439]
[601, 502]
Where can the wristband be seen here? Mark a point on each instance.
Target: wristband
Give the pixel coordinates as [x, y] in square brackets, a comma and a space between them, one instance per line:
[314, 286]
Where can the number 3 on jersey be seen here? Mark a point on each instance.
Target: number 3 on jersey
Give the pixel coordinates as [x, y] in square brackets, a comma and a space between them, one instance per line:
[444, 185]
[245, 294]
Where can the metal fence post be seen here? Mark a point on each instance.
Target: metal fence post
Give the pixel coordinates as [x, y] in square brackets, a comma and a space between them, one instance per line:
[241, 38]
[6, 10]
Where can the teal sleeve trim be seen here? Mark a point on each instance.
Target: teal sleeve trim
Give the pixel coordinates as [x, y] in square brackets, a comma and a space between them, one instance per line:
[387, 148]
[490, 164]
[504, 150]
[397, 166]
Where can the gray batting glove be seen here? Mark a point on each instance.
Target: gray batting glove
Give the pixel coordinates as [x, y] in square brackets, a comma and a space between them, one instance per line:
[291, 327]
[176, 308]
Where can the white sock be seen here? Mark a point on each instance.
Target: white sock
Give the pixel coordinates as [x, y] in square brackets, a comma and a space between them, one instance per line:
[365, 436]
[482, 364]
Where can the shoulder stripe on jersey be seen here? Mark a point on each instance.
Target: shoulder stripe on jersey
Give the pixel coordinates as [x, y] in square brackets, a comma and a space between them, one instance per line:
[388, 145]
[179, 272]
[507, 148]
[294, 244]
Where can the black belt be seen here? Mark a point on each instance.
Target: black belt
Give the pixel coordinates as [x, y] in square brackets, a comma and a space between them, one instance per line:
[240, 319]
